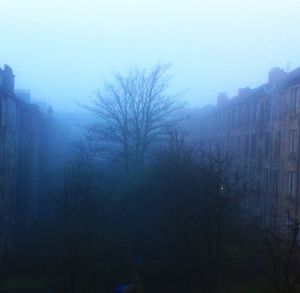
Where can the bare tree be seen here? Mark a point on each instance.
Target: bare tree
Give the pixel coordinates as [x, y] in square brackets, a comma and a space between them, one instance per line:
[134, 113]
[80, 214]
[279, 256]
[197, 199]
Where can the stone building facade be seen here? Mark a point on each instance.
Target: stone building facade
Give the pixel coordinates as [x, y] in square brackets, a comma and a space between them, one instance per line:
[8, 155]
[260, 128]
[24, 134]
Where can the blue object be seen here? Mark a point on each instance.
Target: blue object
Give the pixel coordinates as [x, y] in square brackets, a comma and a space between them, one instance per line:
[121, 288]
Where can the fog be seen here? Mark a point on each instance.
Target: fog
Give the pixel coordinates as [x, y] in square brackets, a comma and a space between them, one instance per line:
[149, 146]
[61, 50]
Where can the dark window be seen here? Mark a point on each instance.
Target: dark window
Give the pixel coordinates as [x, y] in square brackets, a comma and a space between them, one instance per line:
[258, 192]
[246, 146]
[254, 110]
[240, 116]
[247, 114]
[277, 144]
[294, 96]
[2, 112]
[267, 144]
[274, 182]
[259, 161]
[291, 184]
[262, 112]
[274, 219]
[266, 180]
[233, 122]
[238, 146]
[253, 146]
[252, 177]
[292, 141]
[268, 110]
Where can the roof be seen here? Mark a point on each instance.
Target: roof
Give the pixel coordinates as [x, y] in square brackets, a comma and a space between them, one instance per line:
[289, 80]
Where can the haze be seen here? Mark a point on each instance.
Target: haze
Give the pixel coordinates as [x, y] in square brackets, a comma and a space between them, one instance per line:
[60, 50]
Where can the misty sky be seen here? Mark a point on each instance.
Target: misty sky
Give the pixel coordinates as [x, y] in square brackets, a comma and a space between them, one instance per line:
[60, 50]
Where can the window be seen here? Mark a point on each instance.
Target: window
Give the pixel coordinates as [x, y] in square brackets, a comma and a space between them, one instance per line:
[274, 220]
[237, 147]
[1, 158]
[266, 180]
[274, 182]
[294, 96]
[268, 110]
[228, 119]
[239, 116]
[246, 146]
[291, 184]
[252, 177]
[289, 226]
[238, 171]
[275, 107]
[267, 143]
[262, 112]
[242, 117]
[245, 178]
[292, 141]
[259, 161]
[277, 144]
[253, 146]
[2, 112]
[247, 113]
[254, 110]
[13, 115]
[258, 192]
[233, 118]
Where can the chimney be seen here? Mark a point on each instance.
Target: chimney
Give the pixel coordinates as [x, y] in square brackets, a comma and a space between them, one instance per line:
[222, 99]
[276, 75]
[7, 79]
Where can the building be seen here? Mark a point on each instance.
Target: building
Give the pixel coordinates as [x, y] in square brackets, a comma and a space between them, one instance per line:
[9, 105]
[260, 128]
[24, 139]
[34, 140]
